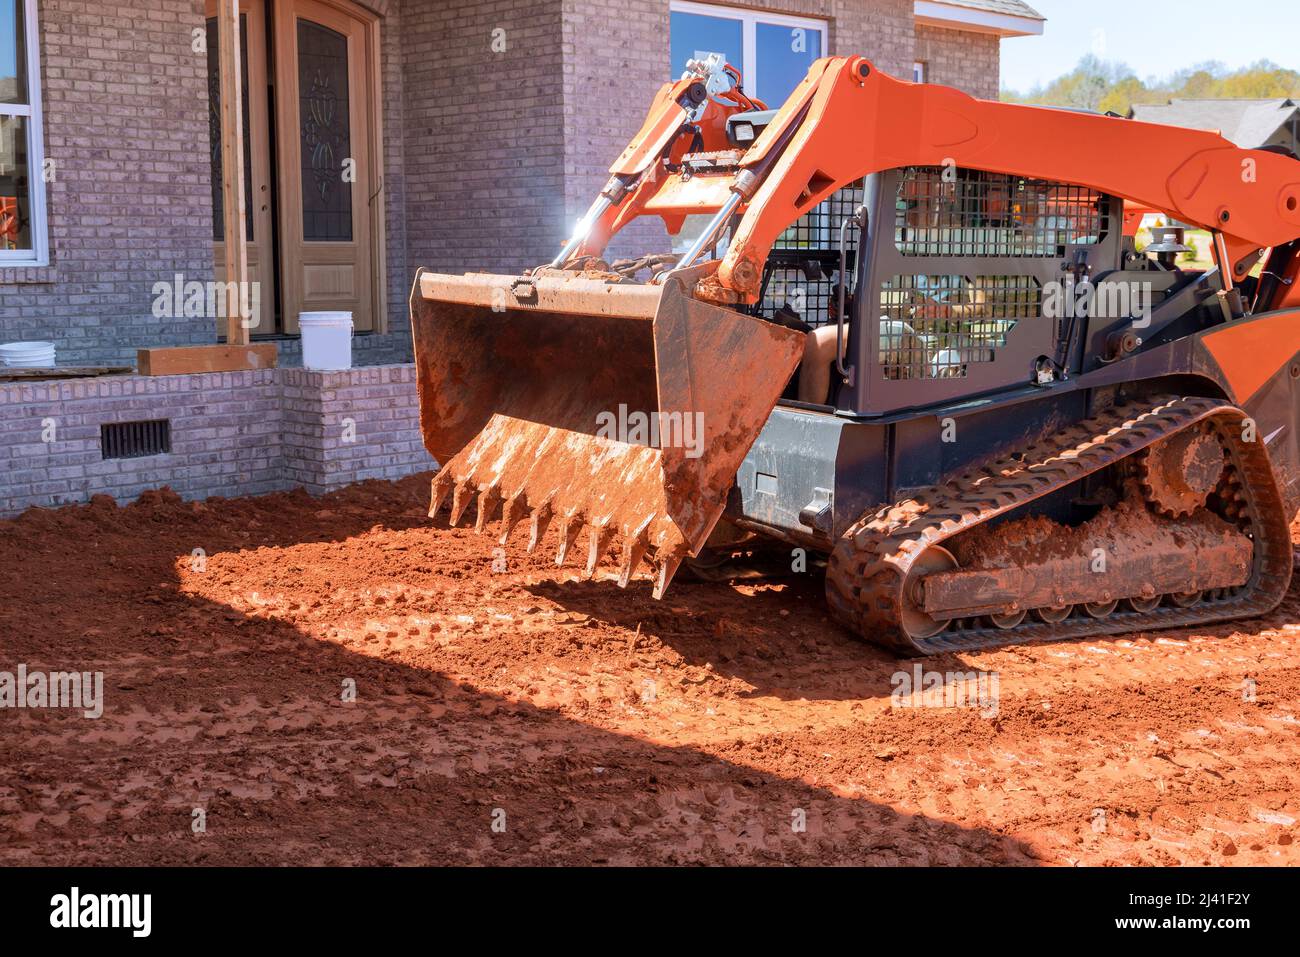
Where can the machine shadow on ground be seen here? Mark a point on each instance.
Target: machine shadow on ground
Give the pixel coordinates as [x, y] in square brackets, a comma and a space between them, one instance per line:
[239, 714]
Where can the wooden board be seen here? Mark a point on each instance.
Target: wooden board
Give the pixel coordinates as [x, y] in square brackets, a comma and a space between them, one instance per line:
[62, 372]
[233, 196]
[180, 360]
[257, 191]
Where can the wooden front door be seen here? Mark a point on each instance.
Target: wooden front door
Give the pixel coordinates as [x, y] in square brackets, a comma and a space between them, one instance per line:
[326, 95]
[312, 137]
[258, 225]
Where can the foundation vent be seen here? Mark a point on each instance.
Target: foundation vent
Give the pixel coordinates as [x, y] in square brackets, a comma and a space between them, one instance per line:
[134, 440]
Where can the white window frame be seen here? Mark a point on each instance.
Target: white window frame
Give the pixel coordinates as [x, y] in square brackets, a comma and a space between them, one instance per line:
[39, 254]
[921, 71]
[749, 21]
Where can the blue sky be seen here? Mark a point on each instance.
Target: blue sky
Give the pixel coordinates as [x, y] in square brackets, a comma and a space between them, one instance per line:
[1154, 37]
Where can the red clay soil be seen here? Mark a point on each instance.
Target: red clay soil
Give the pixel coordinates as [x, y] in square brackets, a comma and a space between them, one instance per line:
[589, 724]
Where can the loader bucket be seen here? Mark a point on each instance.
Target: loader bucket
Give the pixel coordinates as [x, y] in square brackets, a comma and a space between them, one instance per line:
[621, 407]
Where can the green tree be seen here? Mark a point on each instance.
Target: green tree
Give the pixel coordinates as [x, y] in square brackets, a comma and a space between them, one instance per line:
[1101, 85]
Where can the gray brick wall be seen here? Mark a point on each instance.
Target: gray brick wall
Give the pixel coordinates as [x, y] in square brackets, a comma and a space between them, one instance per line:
[485, 134]
[126, 126]
[966, 60]
[341, 427]
[234, 433]
[395, 346]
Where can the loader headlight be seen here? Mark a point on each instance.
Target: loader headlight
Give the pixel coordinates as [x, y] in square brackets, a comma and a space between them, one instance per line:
[743, 132]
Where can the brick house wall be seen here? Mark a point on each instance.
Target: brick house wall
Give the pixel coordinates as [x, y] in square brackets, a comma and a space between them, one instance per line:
[232, 433]
[484, 171]
[607, 90]
[961, 58]
[126, 126]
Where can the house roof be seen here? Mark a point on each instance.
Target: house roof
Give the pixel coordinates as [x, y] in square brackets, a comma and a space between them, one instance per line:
[1012, 8]
[1247, 123]
[1005, 18]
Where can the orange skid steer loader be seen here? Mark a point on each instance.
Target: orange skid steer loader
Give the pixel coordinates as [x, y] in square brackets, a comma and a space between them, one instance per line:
[911, 331]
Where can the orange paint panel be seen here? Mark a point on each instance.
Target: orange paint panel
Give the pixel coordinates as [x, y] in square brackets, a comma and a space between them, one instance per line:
[661, 124]
[1250, 351]
[697, 194]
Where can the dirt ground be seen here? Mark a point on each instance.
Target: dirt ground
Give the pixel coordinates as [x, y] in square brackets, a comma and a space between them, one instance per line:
[506, 713]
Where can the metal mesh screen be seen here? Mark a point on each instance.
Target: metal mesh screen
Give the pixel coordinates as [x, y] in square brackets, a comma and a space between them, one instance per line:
[803, 264]
[959, 212]
[818, 229]
[933, 327]
[810, 298]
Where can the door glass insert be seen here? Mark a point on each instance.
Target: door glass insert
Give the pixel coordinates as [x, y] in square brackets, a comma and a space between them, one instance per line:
[325, 133]
[214, 129]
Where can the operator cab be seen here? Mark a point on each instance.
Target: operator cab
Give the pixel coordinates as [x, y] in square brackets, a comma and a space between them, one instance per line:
[955, 289]
[953, 296]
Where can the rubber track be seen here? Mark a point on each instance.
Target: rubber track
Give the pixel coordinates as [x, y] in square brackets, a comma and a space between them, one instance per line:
[870, 563]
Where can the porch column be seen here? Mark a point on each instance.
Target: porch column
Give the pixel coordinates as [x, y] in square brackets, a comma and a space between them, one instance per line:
[232, 171]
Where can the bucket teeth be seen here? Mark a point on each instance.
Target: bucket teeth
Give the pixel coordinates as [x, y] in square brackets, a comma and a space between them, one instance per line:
[459, 502]
[515, 508]
[441, 485]
[668, 566]
[489, 500]
[537, 526]
[568, 535]
[596, 545]
[634, 549]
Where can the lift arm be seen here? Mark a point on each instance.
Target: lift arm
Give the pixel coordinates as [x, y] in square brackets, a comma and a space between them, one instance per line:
[846, 119]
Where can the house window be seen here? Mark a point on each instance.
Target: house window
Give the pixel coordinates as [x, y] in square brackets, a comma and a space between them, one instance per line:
[772, 50]
[920, 71]
[22, 182]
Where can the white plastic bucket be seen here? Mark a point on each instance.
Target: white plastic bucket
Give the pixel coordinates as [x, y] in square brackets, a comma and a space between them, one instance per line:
[27, 355]
[326, 340]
